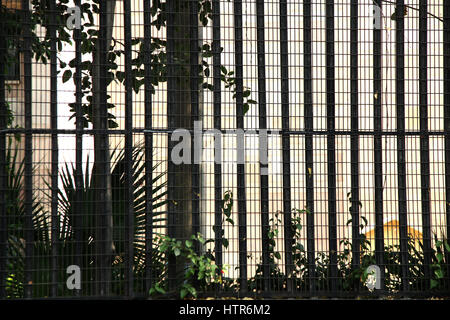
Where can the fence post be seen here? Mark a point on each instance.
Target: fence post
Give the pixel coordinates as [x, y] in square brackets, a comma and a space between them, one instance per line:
[3, 179]
[55, 222]
[79, 126]
[264, 177]
[129, 174]
[148, 145]
[331, 144]
[217, 125]
[354, 140]
[446, 53]
[286, 142]
[309, 157]
[241, 195]
[28, 223]
[378, 147]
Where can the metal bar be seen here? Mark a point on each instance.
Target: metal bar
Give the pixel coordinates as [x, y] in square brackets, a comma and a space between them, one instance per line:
[354, 138]
[309, 149]
[129, 177]
[28, 223]
[446, 60]
[424, 138]
[401, 147]
[148, 136]
[217, 125]
[3, 178]
[378, 162]
[79, 126]
[331, 144]
[256, 131]
[55, 222]
[241, 196]
[195, 71]
[264, 178]
[285, 142]
[171, 87]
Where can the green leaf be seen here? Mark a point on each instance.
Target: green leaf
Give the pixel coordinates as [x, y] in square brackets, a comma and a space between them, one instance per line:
[225, 242]
[183, 293]
[439, 273]
[277, 255]
[433, 283]
[223, 69]
[447, 246]
[188, 243]
[439, 257]
[66, 75]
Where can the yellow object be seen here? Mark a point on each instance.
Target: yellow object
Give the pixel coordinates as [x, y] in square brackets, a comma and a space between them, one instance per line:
[391, 231]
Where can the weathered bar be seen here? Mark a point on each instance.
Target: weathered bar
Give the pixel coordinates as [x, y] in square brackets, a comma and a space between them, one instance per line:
[309, 148]
[264, 178]
[55, 222]
[286, 142]
[148, 144]
[446, 60]
[217, 125]
[79, 126]
[195, 31]
[129, 177]
[28, 223]
[241, 196]
[424, 136]
[401, 147]
[331, 144]
[354, 137]
[378, 147]
[3, 178]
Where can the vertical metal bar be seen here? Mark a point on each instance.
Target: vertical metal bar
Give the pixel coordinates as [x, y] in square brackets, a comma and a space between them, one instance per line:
[309, 158]
[148, 136]
[264, 178]
[129, 179]
[379, 236]
[195, 109]
[286, 142]
[331, 144]
[28, 224]
[55, 152]
[217, 125]
[424, 137]
[354, 139]
[3, 179]
[446, 53]
[79, 126]
[401, 147]
[241, 196]
[171, 124]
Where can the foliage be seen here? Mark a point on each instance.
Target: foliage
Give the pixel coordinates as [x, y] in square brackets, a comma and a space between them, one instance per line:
[200, 272]
[87, 230]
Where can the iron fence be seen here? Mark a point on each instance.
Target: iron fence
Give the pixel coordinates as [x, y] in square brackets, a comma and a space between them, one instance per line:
[224, 148]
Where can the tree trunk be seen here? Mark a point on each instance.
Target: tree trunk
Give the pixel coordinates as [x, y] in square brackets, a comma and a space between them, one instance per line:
[179, 116]
[102, 166]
